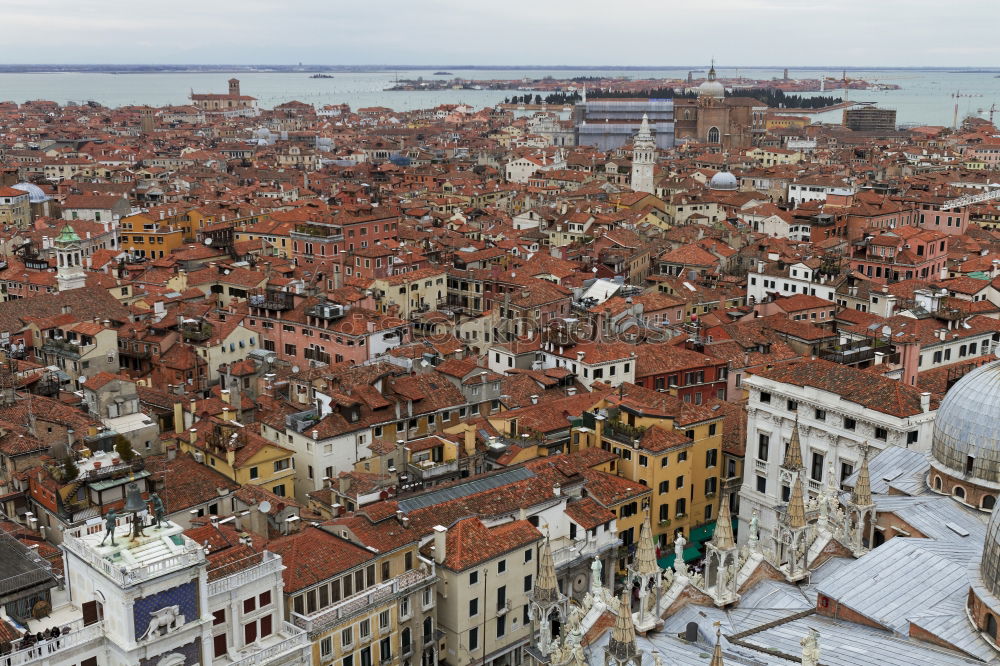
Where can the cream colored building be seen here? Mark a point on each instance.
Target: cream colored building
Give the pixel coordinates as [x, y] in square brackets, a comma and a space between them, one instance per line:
[486, 574]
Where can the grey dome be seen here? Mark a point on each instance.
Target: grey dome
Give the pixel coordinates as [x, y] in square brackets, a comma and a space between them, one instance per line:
[723, 180]
[711, 89]
[967, 425]
[35, 193]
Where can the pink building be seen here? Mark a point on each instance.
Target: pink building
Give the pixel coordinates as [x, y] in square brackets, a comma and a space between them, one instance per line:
[313, 331]
[903, 253]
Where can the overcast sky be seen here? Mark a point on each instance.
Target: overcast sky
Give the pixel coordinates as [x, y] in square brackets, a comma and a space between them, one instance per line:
[508, 32]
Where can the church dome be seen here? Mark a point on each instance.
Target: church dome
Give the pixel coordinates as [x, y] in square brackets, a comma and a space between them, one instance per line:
[966, 441]
[723, 180]
[35, 193]
[711, 89]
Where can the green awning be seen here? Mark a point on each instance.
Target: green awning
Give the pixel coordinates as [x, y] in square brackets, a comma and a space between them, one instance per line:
[702, 532]
[691, 553]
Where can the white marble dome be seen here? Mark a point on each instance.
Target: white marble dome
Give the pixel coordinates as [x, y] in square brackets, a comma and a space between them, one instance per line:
[724, 180]
[35, 193]
[967, 426]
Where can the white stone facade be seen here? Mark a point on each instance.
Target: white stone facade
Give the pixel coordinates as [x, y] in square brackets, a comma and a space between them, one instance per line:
[831, 428]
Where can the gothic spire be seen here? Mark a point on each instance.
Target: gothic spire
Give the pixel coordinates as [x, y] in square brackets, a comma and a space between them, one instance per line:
[862, 493]
[622, 647]
[546, 589]
[645, 554]
[723, 537]
[793, 455]
[717, 652]
[796, 506]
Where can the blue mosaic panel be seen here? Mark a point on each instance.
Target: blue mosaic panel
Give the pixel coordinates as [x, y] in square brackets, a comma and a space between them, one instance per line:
[185, 596]
[191, 653]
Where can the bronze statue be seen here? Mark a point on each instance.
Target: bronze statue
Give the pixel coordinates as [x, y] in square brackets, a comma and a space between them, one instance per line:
[110, 522]
[159, 511]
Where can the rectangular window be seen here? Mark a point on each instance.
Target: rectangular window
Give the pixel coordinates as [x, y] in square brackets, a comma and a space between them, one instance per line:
[765, 397]
[528, 554]
[347, 637]
[501, 566]
[820, 415]
[473, 607]
[473, 639]
[849, 423]
[763, 445]
[527, 583]
[816, 470]
[219, 617]
[643, 461]
[761, 484]
[473, 577]
[249, 604]
[501, 626]
[881, 433]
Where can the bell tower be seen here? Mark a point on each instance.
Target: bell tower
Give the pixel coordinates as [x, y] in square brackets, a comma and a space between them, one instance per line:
[234, 87]
[69, 259]
[643, 158]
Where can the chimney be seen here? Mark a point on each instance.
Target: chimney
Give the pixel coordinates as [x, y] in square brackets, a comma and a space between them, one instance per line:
[225, 396]
[470, 441]
[534, 399]
[171, 451]
[440, 543]
[925, 402]
[178, 417]
[909, 358]
[556, 490]
[193, 435]
[571, 390]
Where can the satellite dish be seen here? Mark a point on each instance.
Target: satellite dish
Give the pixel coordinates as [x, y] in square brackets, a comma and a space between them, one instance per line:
[82, 379]
[264, 506]
[886, 332]
[295, 369]
[208, 241]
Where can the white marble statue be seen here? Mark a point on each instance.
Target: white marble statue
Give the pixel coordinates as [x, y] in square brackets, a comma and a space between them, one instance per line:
[810, 648]
[679, 543]
[754, 535]
[596, 578]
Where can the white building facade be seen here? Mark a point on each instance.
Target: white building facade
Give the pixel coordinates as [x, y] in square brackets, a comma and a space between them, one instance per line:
[833, 429]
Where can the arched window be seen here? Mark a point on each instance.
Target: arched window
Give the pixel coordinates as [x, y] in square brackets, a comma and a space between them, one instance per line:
[937, 483]
[991, 626]
[989, 501]
[959, 492]
[713, 135]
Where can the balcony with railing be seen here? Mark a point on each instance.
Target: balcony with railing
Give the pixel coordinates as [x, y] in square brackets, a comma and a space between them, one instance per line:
[55, 650]
[271, 299]
[271, 649]
[66, 347]
[622, 432]
[233, 575]
[319, 230]
[431, 469]
[584, 549]
[405, 583]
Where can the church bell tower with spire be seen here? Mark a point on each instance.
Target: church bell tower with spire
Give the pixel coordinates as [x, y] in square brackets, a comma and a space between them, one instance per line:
[69, 258]
[643, 158]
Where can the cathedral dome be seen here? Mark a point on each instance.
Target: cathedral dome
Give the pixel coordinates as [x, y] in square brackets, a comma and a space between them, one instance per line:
[966, 442]
[35, 193]
[724, 180]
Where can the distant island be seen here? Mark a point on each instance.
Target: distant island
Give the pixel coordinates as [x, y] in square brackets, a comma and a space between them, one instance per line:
[321, 76]
[371, 68]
